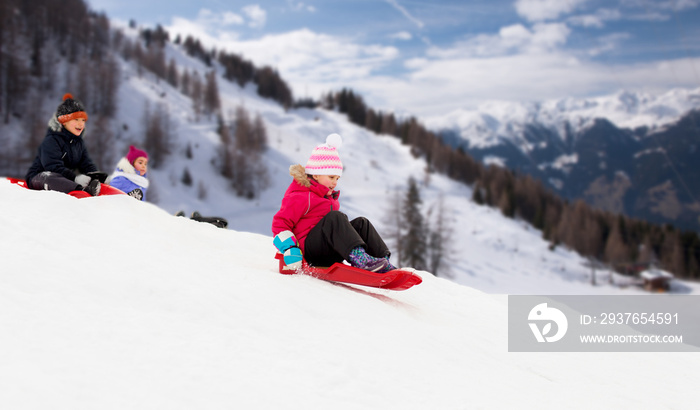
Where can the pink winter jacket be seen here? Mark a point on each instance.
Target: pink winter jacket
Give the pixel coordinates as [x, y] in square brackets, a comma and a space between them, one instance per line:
[304, 204]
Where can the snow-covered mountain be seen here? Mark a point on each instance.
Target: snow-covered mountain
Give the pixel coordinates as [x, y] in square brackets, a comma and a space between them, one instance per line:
[495, 121]
[112, 303]
[629, 153]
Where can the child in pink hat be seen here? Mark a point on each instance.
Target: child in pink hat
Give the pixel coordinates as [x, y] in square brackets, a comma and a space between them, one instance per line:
[130, 174]
[310, 226]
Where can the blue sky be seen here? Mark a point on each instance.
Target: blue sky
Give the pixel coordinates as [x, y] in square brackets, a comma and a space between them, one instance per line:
[430, 57]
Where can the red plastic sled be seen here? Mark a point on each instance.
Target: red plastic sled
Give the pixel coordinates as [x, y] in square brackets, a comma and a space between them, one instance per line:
[104, 189]
[395, 280]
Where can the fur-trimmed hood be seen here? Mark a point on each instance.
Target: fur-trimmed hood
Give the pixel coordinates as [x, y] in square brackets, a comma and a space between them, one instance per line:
[54, 125]
[299, 174]
[126, 170]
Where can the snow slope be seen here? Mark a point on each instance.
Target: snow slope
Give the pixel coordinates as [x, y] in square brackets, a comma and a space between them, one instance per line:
[488, 251]
[112, 303]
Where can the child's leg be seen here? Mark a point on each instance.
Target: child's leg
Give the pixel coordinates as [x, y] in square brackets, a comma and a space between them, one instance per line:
[375, 246]
[331, 240]
[52, 181]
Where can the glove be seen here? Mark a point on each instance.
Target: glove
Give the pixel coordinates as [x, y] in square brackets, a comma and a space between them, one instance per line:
[136, 193]
[82, 180]
[293, 258]
[98, 175]
[285, 240]
[286, 243]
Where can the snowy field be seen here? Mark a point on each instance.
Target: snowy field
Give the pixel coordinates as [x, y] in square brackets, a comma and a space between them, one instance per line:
[111, 303]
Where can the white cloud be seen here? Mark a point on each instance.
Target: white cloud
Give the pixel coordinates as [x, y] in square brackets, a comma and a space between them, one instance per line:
[666, 5]
[549, 36]
[316, 63]
[510, 40]
[256, 15]
[206, 17]
[540, 10]
[597, 19]
[232, 18]
[609, 42]
[300, 6]
[401, 35]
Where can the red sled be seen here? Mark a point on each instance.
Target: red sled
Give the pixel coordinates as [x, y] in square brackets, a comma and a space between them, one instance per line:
[397, 279]
[104, 189]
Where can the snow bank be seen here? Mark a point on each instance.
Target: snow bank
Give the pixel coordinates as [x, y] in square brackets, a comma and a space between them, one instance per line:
[112, 303]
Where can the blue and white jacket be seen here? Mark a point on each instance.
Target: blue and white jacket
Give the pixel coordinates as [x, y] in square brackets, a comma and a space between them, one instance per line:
[126, 178]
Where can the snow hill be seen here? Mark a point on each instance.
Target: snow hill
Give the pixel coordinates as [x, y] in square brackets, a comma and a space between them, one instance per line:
[488, 251]
[112, 303]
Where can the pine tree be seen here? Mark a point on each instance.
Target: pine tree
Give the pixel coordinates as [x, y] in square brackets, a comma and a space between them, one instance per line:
[157, 127]
[227, 149]
[439, 241]
[394, 219]
[172, 76]
[197, 95]
[414, 243]
[186, 177]
[615, 248]
[101, 143]
[211, 100]
[185, 82]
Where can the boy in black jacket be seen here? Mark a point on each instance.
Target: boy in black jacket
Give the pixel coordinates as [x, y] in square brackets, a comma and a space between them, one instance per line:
[62, 152]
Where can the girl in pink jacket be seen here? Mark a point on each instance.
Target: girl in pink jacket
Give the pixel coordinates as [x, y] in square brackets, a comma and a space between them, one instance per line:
[309, 222]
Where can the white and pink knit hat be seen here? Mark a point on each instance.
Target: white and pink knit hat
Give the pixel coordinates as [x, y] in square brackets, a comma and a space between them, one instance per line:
[324, 159]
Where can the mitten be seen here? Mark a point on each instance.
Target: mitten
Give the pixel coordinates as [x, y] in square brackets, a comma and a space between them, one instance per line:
[82, 180]
[136, 193]
[285, 240]
[98, 175]
[293, 258]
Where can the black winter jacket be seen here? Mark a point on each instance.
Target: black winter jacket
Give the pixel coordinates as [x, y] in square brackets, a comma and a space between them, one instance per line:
[61, 152]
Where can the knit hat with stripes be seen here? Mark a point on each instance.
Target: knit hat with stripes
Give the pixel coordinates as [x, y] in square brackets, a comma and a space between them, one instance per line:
[324, 159]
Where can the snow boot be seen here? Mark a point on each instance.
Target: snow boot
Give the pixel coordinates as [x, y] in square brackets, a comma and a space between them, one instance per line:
[214, 220]
[93, 188]
[389, 266]
[360, 259]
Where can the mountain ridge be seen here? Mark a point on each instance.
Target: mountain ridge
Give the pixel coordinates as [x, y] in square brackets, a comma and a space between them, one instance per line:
[577, 152]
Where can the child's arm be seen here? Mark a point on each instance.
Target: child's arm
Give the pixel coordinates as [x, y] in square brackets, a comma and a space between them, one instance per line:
[292, 209]
[127, 186]
[283, 224]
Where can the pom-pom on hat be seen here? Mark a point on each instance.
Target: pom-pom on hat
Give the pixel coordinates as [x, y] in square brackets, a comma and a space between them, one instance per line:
[324, 158]
[70, 109]
[134, 153]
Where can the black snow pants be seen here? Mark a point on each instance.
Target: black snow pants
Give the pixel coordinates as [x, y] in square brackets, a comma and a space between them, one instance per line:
[332, 239]
[52, 181]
